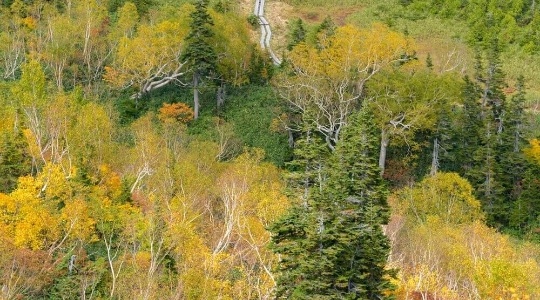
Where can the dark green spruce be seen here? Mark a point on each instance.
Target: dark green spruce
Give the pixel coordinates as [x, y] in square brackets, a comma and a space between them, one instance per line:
[297, 33]
[333, 246]
[486, 169]
[199, 53]
[510, 148]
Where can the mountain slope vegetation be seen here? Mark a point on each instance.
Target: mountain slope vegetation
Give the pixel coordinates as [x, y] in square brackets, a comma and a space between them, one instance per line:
[152, 150]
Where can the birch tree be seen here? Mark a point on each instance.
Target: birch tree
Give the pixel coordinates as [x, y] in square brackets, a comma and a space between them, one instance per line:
[151, 59]
[325, 82]
[404, 103]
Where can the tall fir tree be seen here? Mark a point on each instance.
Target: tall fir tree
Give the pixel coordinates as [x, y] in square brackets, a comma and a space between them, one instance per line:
[493, 84]
[308, 167]
[510, 158]
[485, 173]
[334, 247]
[516, 124]
[293, 234]
[512, 142]
[297, 33]
[357, 195]
[323, 32]
[443, 154]
[469, 135]
[525, 211]
[199, 53]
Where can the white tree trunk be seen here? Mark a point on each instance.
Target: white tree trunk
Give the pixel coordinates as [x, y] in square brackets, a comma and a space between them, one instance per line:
[220, 97]
[195, 95]
[382, 154]
[435, 158]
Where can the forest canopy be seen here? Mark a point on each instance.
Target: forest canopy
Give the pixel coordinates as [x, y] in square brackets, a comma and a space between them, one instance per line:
[152, 149]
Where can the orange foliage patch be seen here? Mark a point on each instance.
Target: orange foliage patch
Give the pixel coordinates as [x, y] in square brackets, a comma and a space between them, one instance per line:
[175, 112]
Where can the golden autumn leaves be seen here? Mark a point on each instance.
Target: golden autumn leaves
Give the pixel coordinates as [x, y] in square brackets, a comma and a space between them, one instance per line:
[330, 75]
[169, 217]
[149, 55]
[213, 226]
[444, 249]
[140, 207]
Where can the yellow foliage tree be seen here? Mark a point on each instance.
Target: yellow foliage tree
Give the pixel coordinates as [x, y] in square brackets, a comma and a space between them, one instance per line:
[232, 46]
[533, 151]
[445, 195]
[150, 58]
[444, 250]
[328, 79]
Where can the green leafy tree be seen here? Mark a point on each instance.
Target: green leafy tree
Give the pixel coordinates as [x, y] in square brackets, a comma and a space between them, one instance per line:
[404, 104]
[14, 161]
[142, 5]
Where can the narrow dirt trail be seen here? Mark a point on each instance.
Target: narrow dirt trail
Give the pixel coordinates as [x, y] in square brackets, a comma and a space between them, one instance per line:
[266, 32]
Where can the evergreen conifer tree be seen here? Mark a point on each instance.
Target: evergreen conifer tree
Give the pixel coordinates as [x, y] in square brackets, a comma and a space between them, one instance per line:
[334, 247]
[324, 31]
[525, 211]
[485, 173]
[356, 194]
[510, 159]
[293, 233]
[471, 126]
[429, 61]
[444, 143]
[297, 34]
[512, 142]
[308, 167]
[493, 85]
[199, 52]
[485, 170]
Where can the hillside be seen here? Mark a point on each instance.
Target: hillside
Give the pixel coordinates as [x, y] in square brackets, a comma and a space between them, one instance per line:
[445, 39]
[154, 150]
